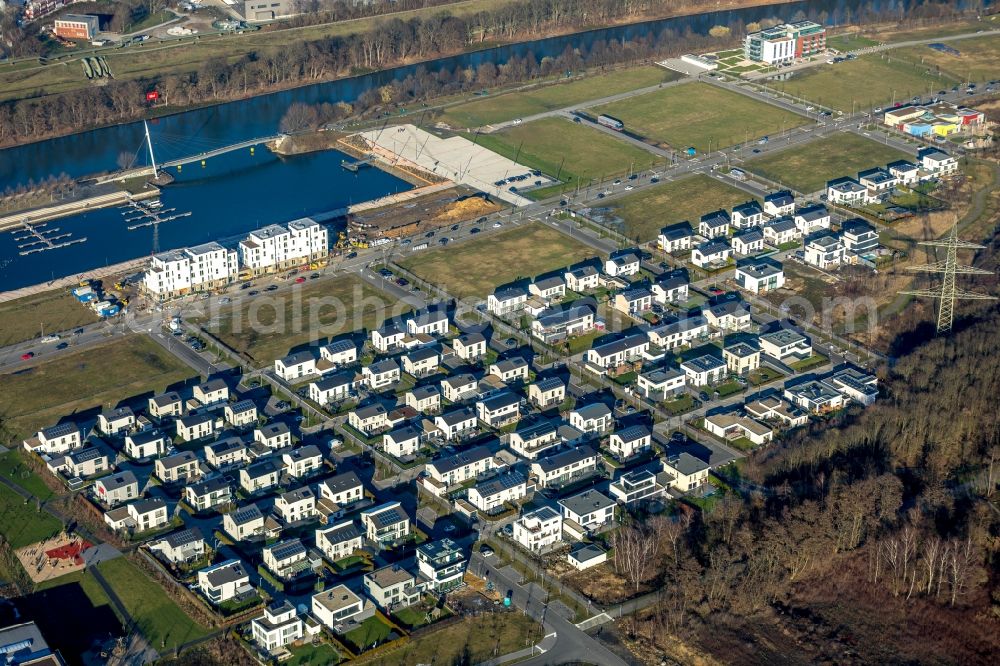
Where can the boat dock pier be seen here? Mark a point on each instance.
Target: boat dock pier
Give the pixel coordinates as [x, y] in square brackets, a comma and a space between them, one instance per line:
[37, 238]
[357, 165]
[44, 214]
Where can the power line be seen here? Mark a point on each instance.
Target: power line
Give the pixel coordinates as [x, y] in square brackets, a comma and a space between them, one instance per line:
[947, 292]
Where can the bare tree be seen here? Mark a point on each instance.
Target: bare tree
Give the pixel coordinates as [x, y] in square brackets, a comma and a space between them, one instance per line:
[636, 549]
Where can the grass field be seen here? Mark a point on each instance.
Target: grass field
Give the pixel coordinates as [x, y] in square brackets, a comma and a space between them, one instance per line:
[14, 468]
[34, 316]
[308, 655]
[646, 212]
[471, 641]
[267, 327]
[850, 42]
[568, 151]
[697, 114]
[864, 83]
[979, 59]
[475, 268]
[809, 167]
[44, 392]
[507, 106]
[368, 633]
[161, 620]
[185, 56]
[21, 524]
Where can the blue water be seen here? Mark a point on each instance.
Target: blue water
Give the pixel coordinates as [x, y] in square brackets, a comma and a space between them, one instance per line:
[229, 196]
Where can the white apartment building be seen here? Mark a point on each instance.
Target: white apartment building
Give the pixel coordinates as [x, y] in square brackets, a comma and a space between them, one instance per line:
[277, 247]
[197, 268]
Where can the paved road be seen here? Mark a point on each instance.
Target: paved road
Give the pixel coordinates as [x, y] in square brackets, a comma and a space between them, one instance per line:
[570, 643]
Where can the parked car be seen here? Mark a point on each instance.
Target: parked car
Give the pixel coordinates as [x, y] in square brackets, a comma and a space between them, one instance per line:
[402, 282]
[299, 280]
[27, 356]
[273, 287]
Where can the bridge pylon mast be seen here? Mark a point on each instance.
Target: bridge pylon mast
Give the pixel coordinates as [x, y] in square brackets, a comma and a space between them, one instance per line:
[149, 145]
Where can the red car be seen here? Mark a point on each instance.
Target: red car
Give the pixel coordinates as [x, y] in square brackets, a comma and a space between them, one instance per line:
[27, 356]
[299, 280]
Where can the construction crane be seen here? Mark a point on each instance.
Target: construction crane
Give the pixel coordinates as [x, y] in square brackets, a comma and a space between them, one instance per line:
[948, 292]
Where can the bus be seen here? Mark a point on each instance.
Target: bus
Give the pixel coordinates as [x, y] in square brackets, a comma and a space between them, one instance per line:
[611, 121]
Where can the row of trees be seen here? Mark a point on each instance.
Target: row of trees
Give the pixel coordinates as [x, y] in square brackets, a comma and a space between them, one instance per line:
[392, 42]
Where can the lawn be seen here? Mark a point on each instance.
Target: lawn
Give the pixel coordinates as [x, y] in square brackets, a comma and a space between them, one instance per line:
[864, 83]
[14, 467]
[979, 59]
[471, 641]
[645, 213]
[851, 41]
[813, 361]
[728, 388]
[809, 167]
[21, 523]
[313, 655]
[161, 620]
[567, 151]
[700, 114]
[45, 392]
[41, 314]
[475, 268]
[763, 375]
[680, 405]
[373, 631]
[501, 108]
[269, 326]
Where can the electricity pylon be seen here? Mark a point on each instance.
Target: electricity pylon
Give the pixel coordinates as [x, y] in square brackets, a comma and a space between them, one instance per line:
[947, 292]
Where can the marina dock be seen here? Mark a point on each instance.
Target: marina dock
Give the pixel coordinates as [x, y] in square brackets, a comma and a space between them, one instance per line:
[46, 213]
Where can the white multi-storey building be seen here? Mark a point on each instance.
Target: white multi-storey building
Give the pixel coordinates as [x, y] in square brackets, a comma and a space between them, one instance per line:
[198, 268]
[277, 247]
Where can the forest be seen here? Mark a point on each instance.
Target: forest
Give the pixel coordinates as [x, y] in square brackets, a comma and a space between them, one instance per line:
[871, 537]
[393, 42]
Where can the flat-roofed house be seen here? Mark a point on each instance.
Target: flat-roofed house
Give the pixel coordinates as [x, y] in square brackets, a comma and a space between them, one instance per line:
[279, 626]
[336, 606]
[392, 587]
[585, 512]
[539, 529]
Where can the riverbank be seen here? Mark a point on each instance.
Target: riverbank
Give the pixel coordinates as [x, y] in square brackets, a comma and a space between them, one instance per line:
[174, 61]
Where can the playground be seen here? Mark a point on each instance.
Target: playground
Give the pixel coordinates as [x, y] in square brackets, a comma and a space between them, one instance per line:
[52, 558]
